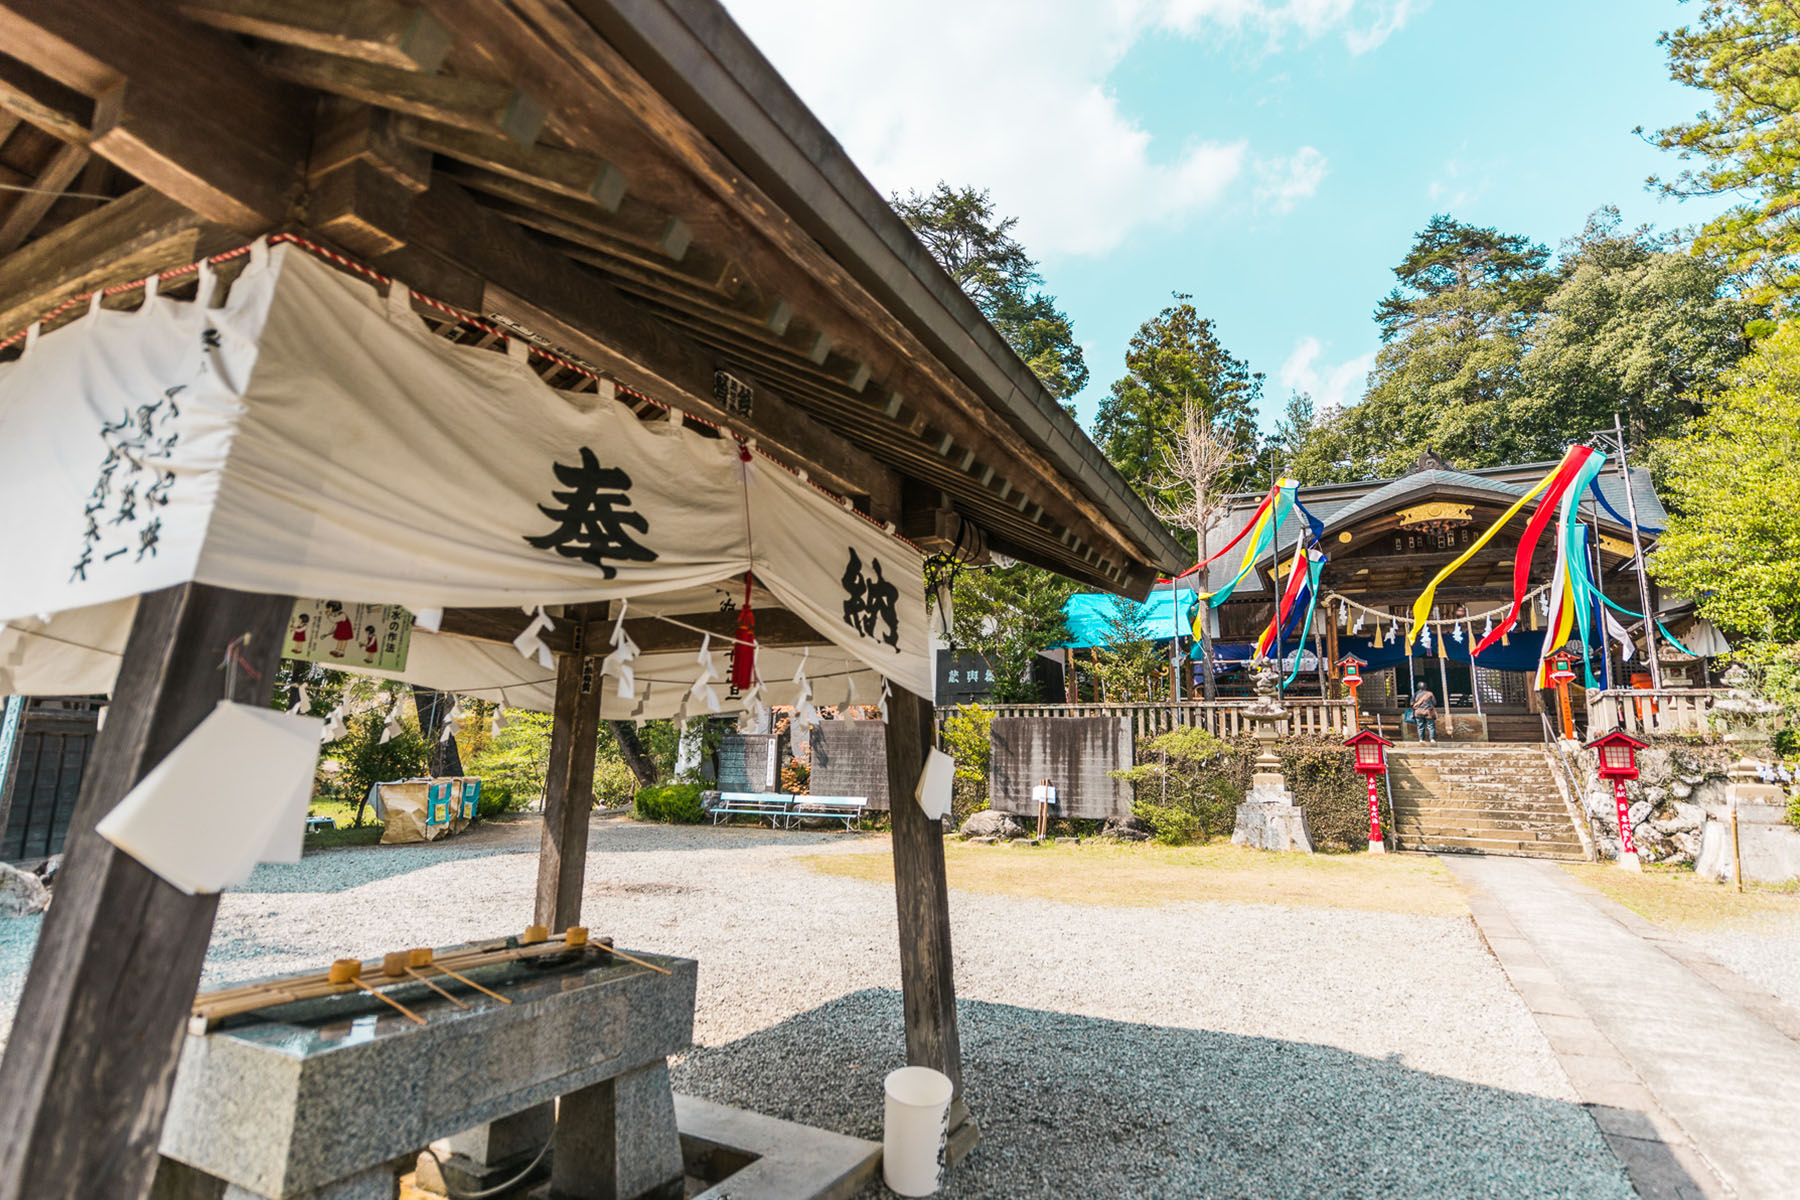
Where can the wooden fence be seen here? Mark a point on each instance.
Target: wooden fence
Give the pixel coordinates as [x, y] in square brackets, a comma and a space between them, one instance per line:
[1221, 718]
[1647, 712]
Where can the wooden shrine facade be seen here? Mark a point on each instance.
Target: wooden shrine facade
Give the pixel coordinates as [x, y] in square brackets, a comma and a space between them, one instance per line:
[1387, 539]
[625, 183]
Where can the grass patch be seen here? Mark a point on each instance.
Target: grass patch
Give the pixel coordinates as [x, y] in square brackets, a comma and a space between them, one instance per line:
[343, 812]
[1680, 899]
[1145, 874]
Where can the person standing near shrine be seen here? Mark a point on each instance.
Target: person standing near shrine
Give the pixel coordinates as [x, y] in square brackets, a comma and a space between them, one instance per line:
[1424, 706]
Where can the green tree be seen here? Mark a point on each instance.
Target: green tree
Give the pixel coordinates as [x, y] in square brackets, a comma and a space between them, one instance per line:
[366, 759]
[978, 250]
[1454, 335]
[1176, 360]
[1733, 541]
[1747, 54]
[1007, 614]
[1633, 328]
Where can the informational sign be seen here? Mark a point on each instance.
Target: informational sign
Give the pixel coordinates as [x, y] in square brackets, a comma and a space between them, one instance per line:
[339, 634]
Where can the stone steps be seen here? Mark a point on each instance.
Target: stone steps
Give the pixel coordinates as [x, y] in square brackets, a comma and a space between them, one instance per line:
[1480, 799]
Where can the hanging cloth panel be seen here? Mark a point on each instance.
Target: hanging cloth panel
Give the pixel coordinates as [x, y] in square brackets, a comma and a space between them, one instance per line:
[849, 579]
[114, 436]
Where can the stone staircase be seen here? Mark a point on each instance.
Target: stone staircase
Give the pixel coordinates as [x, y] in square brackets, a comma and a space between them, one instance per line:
[1480, 798]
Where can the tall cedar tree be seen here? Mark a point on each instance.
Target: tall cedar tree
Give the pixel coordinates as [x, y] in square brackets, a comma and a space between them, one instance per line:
[1453, 335]
[1007, 614]
[958, 226]
[1747, 54]
[1174, 360]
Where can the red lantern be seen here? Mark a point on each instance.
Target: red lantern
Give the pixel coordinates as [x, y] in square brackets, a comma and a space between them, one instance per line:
[1371, 760]
[1617, 754]
[1350, 667]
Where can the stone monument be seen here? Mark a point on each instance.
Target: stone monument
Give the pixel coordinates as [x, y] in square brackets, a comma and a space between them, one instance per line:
[1268, 819]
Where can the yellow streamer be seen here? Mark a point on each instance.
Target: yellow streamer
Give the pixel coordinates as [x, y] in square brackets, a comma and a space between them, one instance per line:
[1422, 605]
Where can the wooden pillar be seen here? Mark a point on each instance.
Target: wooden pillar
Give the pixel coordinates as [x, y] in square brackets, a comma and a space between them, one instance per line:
[569, 784]
[922, 898]
[85, 1083]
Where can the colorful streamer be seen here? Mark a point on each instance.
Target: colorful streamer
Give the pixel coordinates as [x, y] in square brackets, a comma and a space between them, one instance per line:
[1254, 521]
[1278, 622]
[1274, 513]
[1559, 481]
[1315, 564]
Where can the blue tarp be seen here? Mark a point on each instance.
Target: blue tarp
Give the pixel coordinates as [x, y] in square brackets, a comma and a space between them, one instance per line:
[1091, 614]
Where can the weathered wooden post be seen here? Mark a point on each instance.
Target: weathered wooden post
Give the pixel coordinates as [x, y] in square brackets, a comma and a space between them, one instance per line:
[85, 1082]
[569, 781]
[922, 900]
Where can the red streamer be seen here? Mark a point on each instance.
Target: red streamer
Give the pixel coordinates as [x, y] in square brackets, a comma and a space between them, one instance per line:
[1547, 508]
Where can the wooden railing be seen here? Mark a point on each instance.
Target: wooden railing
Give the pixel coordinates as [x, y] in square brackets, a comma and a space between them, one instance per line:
[1647, 712]
[1221, 718]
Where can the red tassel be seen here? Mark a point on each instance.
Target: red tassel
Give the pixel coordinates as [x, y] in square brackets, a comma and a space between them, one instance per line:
[743, 650]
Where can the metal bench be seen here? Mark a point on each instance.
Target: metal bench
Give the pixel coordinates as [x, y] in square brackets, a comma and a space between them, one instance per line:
[785, 811]
[848, 809]
[318, 824]
[774, 805]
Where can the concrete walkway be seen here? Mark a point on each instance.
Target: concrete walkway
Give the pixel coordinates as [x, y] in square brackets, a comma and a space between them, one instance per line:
[1692, 1074]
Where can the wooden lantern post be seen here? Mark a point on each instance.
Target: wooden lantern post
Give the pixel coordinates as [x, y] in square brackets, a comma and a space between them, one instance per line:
[1562, 670]
[1617, 753]
[1350, 672]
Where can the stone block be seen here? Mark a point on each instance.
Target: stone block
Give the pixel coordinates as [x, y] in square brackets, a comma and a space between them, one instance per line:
[284, 1108]
[1272, 826]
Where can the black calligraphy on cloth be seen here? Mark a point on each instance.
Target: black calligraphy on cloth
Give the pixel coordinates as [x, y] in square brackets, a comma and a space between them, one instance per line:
[871, 602]
[124, 511]
[593, 515]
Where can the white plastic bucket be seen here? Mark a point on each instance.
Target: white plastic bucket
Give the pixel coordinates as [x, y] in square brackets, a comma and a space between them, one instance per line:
[912, 1146]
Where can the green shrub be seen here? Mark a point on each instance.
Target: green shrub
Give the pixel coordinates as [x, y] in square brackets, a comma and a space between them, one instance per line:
[1170, 826]
[966, 739]
[1191, 771]
[671, 803]
[496, 801]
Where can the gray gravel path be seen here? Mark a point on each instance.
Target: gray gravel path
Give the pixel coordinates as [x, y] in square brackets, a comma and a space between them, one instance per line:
[1219, 1049]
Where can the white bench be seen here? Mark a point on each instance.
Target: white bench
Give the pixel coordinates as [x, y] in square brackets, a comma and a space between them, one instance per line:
[848, 809]
[774, 805]
[784, 810]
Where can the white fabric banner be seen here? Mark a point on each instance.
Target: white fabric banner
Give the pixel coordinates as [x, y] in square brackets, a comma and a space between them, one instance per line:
[310, 438]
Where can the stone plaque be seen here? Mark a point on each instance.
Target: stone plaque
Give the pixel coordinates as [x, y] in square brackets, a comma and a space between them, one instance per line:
[849, 758]
[747, 762]
[1076, 754]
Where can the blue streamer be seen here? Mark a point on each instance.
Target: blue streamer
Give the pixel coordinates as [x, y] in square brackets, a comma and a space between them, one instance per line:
[1594, 488]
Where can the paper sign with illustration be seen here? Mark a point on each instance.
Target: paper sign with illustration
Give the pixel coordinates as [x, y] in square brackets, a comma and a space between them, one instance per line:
[340, 634]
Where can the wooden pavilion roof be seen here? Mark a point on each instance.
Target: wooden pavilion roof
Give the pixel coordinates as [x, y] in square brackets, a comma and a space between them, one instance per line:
[628, 181]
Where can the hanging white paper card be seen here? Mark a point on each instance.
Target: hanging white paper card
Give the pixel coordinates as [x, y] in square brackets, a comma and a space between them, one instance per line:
[222, 799]
[935, 782]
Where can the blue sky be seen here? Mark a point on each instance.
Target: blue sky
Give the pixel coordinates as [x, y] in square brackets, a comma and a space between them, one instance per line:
[1272, 157]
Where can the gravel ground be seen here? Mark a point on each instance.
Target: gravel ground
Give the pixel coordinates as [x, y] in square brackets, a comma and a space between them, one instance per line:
[1768, 955]
[1219, 1049]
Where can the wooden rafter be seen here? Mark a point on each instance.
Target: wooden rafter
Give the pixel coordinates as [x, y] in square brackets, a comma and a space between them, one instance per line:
[216, 134]
[29, 208]
[392, 35]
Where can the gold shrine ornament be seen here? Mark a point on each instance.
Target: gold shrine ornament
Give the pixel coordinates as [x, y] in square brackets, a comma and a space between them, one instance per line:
[1436, 512]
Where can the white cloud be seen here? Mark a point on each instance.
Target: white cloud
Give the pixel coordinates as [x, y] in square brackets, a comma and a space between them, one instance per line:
[1012, 96]
[1331, 385]
[1284, 182]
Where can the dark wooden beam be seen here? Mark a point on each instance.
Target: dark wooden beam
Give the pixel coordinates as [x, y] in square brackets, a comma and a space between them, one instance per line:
[480, 105]
[29, 207]
[922, 903]
[33, 96]
[133, 236]
[563, 172]
[569, 778]
[393, 35]
[197, 120]
[85, 1082]
[774, 627]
